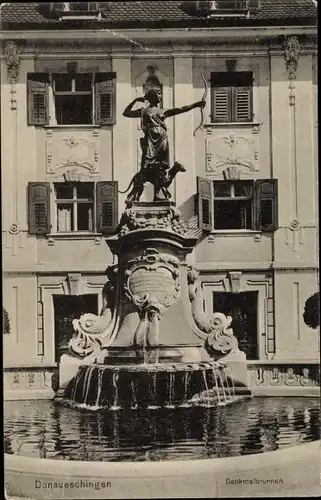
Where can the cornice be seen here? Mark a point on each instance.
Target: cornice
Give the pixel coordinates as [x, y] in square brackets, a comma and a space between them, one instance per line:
[177, 35]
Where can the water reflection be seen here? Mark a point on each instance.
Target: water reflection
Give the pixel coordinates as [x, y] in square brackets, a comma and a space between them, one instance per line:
[45, 430]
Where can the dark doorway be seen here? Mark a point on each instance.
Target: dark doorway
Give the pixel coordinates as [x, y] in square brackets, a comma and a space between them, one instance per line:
[242, 307]
[66, 309]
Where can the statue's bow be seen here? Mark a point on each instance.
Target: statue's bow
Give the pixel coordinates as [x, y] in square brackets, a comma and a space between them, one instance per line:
[203, 99]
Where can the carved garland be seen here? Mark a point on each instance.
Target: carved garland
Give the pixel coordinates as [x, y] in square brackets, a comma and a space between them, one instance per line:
[170, 219]
[12, 58]
[291, 56]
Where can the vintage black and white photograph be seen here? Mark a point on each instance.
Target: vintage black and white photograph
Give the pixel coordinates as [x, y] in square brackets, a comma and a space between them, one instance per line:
[160, 249]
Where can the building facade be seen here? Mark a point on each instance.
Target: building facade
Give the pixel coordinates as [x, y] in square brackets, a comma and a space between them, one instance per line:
[68, 70]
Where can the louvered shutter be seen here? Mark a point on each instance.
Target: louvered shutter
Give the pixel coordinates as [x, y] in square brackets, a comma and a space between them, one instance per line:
[266, 204]
[107, 206]
[242, 97]
[39, 207]
[205, 203]
[37, 85]
[221, 104]
[105, 98]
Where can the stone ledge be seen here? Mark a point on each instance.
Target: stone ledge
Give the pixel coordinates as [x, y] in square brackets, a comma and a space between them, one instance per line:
[300, 473]
[28, 394]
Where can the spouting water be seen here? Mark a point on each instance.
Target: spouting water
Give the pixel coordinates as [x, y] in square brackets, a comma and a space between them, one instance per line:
[217, 390]
[100, 383]
[206, 388]
[220, 372]
[171, 389]
[84, 387]
[76, 382]
[89, 373]
[115, 378]
[134, 399]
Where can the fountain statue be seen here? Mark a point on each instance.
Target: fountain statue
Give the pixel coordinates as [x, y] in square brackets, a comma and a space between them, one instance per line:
[152, 344]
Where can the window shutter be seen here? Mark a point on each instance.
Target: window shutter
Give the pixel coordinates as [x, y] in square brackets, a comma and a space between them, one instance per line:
[266, 204]
[37, 85]
[105, 98]
[39, 207]
[242, 104]
[107, 206]
[205, 203]
[221, 109]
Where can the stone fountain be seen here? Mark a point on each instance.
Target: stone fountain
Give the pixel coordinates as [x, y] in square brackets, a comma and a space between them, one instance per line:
[152, 345]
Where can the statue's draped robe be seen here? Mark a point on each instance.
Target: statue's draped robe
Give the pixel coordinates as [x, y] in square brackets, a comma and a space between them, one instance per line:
[154, 144]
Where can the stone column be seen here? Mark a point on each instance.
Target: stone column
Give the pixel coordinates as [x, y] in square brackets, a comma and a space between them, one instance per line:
[124, 165]
[184, 126]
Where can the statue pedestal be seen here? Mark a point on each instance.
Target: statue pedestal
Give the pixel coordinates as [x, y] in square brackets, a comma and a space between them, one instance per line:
[153, 315]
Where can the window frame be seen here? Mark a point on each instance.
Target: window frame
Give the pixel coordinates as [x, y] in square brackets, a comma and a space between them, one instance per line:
[231, 91]
[265, 218]
[231, 183]
[102, 99]
[74, 202]
[73, 92]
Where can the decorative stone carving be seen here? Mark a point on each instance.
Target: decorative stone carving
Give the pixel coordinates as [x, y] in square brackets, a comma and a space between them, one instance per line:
[227, 151]
[296, 230]
[12, 58]
[72, 153]
[74, 280]
[291, 56]
[152, 284]
[26, 378]
[232, 172]
[218, 337]
[152, 80]
[14, 238]
[92, 331]
[283, 375]
[235, 281]
[163, 218]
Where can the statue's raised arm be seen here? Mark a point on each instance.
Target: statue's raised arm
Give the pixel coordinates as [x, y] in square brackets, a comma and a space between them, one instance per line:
[133, 113]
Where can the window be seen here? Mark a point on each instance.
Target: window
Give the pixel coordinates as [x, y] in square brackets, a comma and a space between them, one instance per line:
[232, 96]
[74, 99]
[237, 205]
[75, 10]
[233, 205]
[74, 206]
[229, 5]
[78, 207]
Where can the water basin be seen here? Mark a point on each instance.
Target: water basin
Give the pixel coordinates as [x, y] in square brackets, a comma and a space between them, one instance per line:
[44, 429]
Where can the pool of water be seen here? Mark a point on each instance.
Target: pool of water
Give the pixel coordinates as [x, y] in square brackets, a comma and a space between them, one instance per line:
[44, 429]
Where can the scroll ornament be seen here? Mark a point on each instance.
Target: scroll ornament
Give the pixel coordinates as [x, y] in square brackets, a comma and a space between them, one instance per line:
[92, 331]
[215, 331]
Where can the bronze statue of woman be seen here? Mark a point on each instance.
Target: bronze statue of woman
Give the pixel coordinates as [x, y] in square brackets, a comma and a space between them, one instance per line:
[155, 161]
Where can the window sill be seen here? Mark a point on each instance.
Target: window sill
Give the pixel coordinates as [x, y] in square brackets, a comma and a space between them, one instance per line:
[254, 125]
[84, 236]
[73, 126]
[235, 233]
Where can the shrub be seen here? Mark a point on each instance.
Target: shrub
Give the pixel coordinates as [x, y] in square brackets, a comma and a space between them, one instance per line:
[311, 313]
